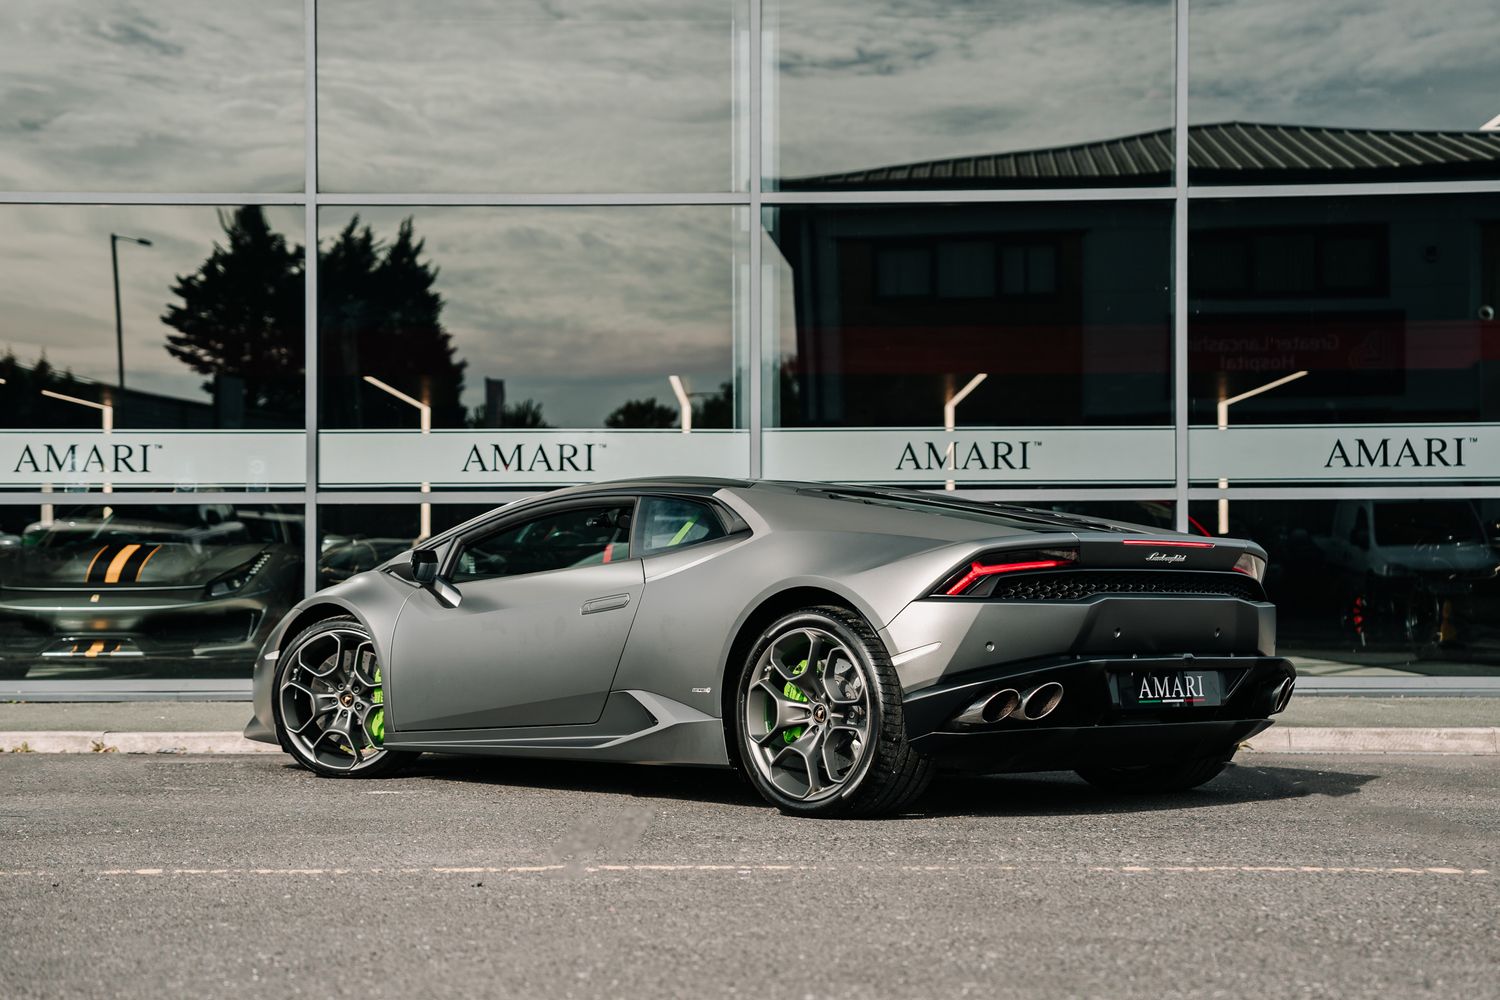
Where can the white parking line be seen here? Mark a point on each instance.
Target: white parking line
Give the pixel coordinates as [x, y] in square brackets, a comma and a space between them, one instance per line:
[604, 869]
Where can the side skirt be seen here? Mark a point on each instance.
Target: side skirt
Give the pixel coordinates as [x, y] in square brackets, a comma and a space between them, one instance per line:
[635, 727]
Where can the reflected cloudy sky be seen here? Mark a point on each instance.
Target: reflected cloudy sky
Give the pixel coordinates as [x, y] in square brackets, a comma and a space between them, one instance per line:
[580, 308]
[529, 95]
[151, 95]
[56, 293]
[1349, 63]
[867, 83]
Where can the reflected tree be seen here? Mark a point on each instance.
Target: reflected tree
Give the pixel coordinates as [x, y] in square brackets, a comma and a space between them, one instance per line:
[711, 410]
[23, 405]
[642, 413]
[379, 316]
[527, 414]
[239, 320]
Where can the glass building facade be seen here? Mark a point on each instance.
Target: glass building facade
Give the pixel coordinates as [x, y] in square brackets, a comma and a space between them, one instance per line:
[287, 286]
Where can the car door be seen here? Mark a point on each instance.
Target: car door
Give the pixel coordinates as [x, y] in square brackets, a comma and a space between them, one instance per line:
[546, 603]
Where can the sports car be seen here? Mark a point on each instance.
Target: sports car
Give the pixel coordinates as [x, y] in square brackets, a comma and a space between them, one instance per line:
[184, 588]
[834, 644]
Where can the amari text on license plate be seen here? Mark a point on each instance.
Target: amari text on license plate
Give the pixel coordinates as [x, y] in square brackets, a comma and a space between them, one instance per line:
[1170, 688]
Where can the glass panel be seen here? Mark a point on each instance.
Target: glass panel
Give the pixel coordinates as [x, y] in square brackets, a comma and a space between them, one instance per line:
[1284, 91]
[1335, 313]
[180, 590]
[175, 95]
[670, 523]
[497, 329]
[982, 320]
[569, 95]
[353, 538]
[936, 94]
[587, 536]
[204, 338]
[1378, 587]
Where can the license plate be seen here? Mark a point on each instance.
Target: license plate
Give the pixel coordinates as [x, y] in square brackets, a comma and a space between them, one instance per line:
[1152, 689]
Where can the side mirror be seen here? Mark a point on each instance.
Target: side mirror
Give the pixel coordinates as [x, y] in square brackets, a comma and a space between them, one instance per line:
[424, 566]
[424, 569]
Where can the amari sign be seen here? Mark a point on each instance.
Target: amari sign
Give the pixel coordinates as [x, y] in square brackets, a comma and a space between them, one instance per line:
[974, 456]
[1353, 453]
[182, 460]
[480, 459]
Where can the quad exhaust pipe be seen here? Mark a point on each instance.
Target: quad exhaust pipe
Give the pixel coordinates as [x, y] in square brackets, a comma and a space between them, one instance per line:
[1008, 703]
[1040, 702]
[991, 708]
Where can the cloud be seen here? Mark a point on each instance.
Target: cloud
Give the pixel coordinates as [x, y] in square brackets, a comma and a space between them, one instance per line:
[580, 308]
[1346, 63]
[568, 96]
[58, 292]
[166, 95]
[867, 84]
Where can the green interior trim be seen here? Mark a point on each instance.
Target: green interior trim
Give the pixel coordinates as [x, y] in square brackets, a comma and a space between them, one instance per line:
[682, 532]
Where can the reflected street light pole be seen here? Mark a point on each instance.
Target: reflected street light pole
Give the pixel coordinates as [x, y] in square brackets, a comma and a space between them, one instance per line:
[1224, 405]
[684, 404]
[425, 526]
[106, 424]
[114, 261]
[950, 419]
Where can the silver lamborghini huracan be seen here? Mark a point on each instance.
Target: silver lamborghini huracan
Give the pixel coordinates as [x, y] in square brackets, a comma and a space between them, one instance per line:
[834, 644]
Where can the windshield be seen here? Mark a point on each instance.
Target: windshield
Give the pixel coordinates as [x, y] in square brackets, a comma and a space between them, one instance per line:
[1426, 522]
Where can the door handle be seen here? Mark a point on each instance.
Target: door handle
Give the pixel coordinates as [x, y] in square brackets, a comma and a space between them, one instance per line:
[610, 603]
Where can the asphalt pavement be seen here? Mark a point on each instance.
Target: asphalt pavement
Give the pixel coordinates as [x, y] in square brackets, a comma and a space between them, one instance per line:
[226, 876]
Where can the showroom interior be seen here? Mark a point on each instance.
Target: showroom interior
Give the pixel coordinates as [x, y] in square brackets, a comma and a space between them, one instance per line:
[290, 286]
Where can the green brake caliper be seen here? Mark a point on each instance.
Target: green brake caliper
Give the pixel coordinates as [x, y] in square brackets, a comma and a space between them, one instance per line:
[793, 692]
[375, 721]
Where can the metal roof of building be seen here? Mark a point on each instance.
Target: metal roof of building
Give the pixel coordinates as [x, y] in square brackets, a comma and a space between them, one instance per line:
[1228, 152]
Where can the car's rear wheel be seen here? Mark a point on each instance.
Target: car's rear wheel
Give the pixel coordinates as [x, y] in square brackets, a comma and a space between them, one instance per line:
[819, 719]
[1177, 776]
[329, 704]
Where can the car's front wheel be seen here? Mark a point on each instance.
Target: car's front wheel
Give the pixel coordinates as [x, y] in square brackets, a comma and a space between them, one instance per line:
[820, 729]
[329, 705]
[1177, 776]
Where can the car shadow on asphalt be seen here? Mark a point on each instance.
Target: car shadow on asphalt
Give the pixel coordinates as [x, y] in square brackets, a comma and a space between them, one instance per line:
[1064, 794]
[1047, 794]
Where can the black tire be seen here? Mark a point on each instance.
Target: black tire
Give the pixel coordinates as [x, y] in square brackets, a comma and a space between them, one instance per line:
[1156, 778]
[13, 671]
[888, 775]
[382, 763]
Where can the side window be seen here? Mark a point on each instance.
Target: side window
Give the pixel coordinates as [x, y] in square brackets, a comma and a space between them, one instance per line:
[672, 523]
[580, 536]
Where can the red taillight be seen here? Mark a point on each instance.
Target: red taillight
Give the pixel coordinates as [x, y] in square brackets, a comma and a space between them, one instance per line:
[978, 571]
[1158, 544]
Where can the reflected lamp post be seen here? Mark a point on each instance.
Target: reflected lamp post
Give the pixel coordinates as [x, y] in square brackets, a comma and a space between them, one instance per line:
[684, 403]
[950, 420]
[114, 263]
[106, 424]
[1223, 414]
[425, 410]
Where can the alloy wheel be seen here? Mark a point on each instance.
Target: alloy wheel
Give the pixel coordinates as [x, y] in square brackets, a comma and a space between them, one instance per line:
[807, 714]
[332, 700]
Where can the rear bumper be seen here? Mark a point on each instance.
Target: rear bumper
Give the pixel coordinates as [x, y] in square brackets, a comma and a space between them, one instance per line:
[1089, 725]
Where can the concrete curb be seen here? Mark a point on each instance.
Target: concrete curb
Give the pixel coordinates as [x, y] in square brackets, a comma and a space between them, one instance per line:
[1279, 739]
[1316, 739]
[83, 741]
